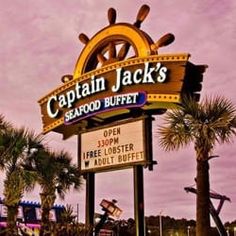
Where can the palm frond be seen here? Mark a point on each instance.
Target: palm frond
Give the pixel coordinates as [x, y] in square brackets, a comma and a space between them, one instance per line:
[177, 129]
[206, 123]
[173, 138]
[4, 125]
[221, 114]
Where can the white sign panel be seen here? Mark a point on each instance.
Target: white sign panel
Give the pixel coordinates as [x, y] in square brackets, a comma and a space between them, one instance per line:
[3, 211]
[114, 146]
[20, 212]
[52, 214]
[38, 213]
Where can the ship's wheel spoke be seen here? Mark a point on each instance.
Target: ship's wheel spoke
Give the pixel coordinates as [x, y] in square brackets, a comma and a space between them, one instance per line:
[102, 59]
[123, 51]
[112, 50]
[142, 14]
[83, 38]
[112, 16]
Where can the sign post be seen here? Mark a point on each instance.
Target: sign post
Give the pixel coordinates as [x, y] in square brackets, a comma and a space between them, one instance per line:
[90, 196]
[139, 201]
[90, 193]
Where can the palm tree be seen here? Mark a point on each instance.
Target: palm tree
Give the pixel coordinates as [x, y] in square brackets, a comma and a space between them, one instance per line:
[204, 124]
[55, 175]
[17, 146]
[67, 216]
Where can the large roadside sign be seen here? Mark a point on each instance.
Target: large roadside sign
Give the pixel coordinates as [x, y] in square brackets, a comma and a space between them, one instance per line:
[120, 81]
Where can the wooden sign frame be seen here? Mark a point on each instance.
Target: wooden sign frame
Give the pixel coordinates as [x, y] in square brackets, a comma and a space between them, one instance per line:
[129, 147]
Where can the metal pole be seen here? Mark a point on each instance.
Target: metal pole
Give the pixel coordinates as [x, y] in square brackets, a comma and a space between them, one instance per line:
[139, 201]
[219, 225]
[228, 232]
[188, 230]
[160, 222]
[77, 208]
[90, 186]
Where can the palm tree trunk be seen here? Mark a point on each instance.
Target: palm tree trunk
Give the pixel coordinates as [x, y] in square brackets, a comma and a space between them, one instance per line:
[11, 220]
[47, 202]
[203, 199]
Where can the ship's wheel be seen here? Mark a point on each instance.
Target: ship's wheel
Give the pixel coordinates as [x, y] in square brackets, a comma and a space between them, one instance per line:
[117, 42]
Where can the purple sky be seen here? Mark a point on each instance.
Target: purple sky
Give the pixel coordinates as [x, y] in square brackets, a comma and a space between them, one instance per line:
[39, 44]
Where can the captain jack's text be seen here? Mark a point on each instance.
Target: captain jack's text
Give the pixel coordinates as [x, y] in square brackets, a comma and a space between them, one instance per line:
[147, 75]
